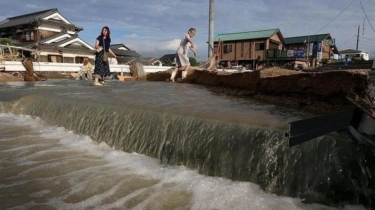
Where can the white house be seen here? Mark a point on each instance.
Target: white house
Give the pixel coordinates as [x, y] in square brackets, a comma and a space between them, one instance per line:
[354, 54]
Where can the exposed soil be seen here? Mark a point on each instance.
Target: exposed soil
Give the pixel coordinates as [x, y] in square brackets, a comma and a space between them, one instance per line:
[274, 72]
[6, 77]
[312, 91]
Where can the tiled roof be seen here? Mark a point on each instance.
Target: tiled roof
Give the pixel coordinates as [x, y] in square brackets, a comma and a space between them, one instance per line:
[246, 35]
[73, 36]
[130, 53]
[116, 46]
[25, 19]
[53, 36]
[310, 38]
[350, 51]
[26, 44]
[33, 17]
[70, 48]
[60, 23]
[168, 57]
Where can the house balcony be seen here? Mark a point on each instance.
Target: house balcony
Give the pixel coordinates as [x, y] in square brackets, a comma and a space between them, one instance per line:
[275, 54]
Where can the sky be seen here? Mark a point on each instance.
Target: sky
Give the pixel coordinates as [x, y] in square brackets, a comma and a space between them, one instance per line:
[154, 28]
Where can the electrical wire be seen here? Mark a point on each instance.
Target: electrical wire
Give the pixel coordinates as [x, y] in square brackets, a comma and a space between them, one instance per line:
[336, 16]
[341, 25]
[348, 41]
[362, 37]
[367, 43]
[360, 1]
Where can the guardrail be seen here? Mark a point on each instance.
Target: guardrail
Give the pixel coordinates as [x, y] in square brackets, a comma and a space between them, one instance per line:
[11, 66]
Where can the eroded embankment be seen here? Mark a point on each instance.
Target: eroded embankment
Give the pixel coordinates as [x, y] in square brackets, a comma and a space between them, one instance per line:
[317, 91]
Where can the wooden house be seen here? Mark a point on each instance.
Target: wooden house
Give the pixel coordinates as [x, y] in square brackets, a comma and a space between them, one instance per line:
[247, 48]
[320, 47]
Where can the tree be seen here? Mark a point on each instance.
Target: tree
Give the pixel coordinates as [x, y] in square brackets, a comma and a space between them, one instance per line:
[5, 41]
[167, 62]
[193, 61]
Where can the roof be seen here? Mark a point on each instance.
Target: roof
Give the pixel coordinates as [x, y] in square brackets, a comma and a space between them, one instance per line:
[148, 61]
[33, 17]
[25, 19]
[148, 58]
[117, 46]
[53, 36]
[128, 53]
[72, 36]
[246, 35]
[303, 39]
[168, 57]
[122, 60]
[351, 51]
[25, 44]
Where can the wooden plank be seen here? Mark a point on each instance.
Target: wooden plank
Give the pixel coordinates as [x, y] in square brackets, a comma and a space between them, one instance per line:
[125, 78]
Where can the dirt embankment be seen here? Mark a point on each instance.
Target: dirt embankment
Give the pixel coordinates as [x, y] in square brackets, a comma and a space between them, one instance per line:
[6, 77]
[315, 91]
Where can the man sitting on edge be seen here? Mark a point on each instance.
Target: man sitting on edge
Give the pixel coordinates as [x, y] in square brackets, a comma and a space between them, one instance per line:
[86, 71]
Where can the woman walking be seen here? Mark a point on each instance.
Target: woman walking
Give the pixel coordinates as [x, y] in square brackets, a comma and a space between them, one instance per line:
[102, 45]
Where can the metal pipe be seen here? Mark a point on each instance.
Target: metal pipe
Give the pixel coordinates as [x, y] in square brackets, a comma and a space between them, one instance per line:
[211, 29]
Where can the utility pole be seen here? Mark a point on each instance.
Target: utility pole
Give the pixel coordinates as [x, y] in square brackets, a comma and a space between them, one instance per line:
[308, 43]
[211, 29]
[358, 37]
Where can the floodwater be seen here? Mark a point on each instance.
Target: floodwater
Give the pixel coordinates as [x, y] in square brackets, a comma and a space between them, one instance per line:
[139, 145]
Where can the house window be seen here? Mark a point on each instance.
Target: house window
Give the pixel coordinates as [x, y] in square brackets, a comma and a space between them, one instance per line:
[79, 59]
[29, 35]
[227, 48]
[55, 58]
[259, 46]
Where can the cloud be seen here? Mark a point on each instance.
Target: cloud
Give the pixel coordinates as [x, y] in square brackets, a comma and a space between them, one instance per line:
[133, 35]
[159, 8]
[170, 45]
[153, 27]
[31, 6]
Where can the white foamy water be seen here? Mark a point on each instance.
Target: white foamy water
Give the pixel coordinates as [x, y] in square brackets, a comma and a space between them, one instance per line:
[46, 167]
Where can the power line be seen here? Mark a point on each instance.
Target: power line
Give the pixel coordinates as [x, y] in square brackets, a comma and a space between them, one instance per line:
[362, 37]
[360, 1]
[336, 16]
[348, 41]
[366, 42]
[341, 25]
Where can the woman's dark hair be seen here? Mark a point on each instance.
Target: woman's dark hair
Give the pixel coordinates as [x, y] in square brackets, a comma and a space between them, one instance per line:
[108, 32]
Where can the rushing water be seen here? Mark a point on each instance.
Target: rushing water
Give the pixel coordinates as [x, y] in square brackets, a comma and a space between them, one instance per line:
[141, 145]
